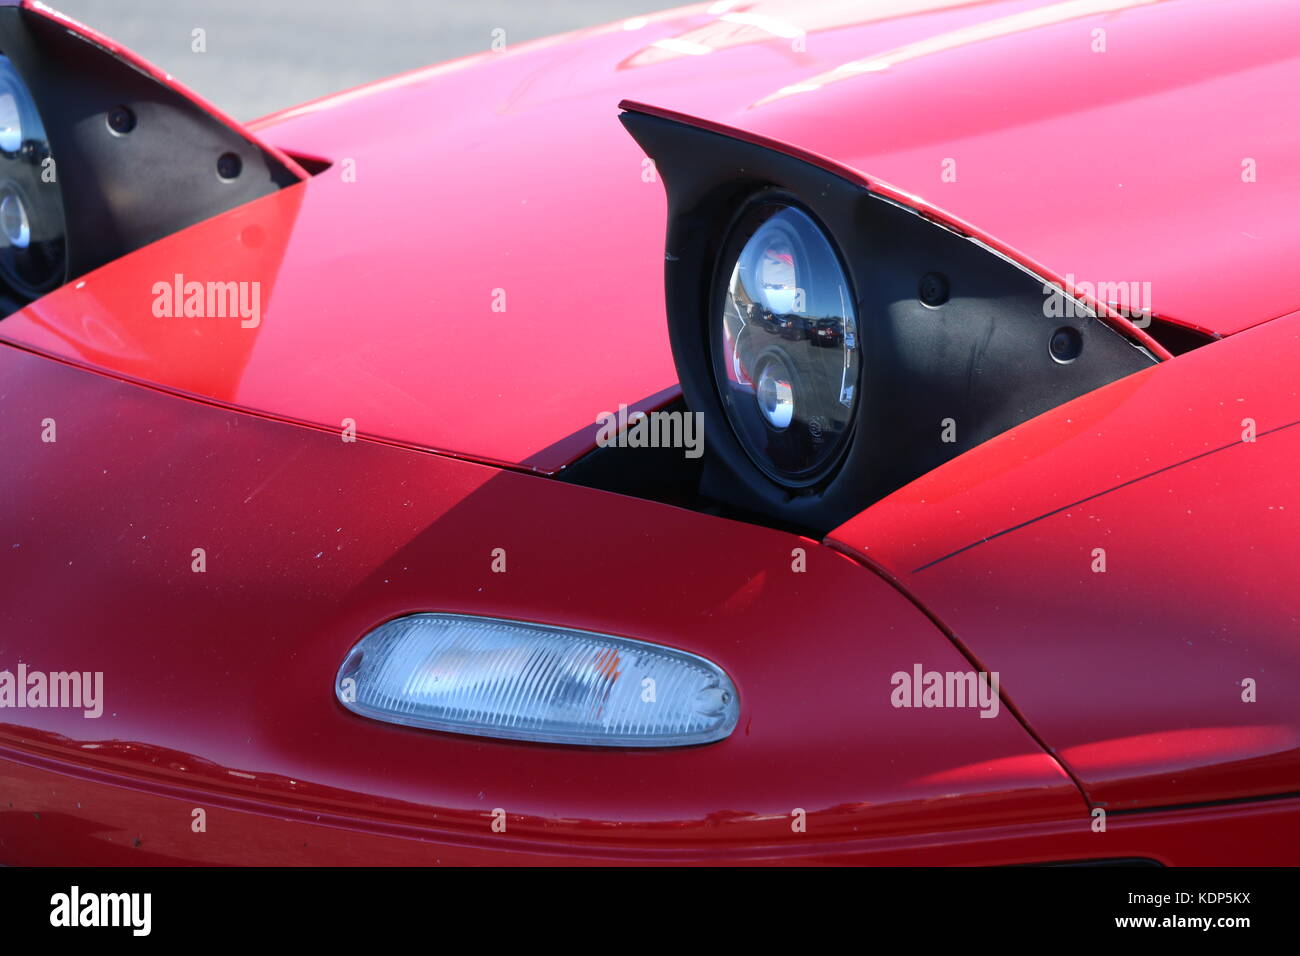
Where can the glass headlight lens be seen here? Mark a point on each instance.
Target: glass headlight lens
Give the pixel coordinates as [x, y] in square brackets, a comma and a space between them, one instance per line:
[519, 681]
[33, 254]
[785, 344]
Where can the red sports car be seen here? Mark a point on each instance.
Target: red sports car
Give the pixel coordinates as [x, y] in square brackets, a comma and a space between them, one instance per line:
[767, 431]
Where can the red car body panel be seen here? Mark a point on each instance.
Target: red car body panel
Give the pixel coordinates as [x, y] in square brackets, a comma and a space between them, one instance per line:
[410, 256]
[221, 683]
[521, 188]
[352, 328]
[55, 813]
[1044, 130]
[1132, 675]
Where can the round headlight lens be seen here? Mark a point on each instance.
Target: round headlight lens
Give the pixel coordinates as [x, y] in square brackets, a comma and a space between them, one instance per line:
[785, 344]
[33, 249]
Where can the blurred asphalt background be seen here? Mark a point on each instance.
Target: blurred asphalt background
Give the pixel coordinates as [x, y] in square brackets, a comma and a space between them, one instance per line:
[263, 55]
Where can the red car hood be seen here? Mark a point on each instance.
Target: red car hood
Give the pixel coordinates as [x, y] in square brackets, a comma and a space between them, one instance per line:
[479, 273]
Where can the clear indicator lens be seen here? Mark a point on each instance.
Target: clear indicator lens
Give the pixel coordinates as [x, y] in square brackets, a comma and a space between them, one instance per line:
[522, 681]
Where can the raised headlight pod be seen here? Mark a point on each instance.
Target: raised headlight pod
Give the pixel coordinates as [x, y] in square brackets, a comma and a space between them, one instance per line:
[785, 343]
[839, 342]
[495, 678]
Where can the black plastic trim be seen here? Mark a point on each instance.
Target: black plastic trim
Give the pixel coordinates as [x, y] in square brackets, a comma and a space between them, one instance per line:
[128, 183]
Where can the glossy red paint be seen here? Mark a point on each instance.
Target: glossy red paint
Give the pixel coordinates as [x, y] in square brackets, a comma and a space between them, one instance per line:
[1088, 162]
[116, 825]
[1105, 313]
[382, 306]
[412, 352]
[1132, 676]
[220, 684]
[378, 295]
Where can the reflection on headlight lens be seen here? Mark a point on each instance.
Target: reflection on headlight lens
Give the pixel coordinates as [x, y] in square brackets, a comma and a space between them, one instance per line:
[11, 124]
[776, 395]
[14, 225]
[785, 344]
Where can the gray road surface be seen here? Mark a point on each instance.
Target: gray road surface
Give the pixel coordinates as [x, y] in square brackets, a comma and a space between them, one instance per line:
[263, 55]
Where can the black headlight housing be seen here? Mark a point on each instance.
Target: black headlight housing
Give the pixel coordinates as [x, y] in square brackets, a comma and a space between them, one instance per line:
[952, 343]
[104, 157]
